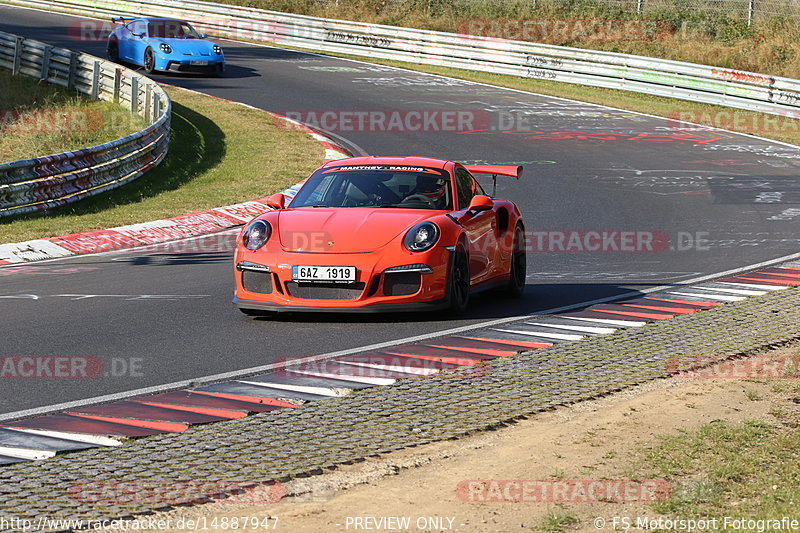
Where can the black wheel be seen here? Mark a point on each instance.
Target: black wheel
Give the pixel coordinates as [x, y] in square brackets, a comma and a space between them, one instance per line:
[258, 313]
[458, 283]
[112, 52]
[519, 264]
[149, 61]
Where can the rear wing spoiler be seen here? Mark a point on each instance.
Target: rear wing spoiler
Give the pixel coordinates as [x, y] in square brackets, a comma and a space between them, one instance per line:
[122, 19]
[496, 170]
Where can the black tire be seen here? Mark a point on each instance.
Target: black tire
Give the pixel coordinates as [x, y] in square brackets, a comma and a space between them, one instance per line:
[519, 265]
[149, 61]
[112, 52]
[458, 282]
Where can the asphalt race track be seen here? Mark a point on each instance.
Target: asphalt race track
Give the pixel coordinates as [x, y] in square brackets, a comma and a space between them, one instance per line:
[710, 201]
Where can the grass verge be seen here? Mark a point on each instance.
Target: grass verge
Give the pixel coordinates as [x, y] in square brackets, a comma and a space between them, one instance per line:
[221, 153]
[38, 118]
[745, 470]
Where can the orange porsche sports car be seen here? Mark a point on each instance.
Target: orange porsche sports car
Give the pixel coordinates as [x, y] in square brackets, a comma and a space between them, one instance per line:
[381, 234]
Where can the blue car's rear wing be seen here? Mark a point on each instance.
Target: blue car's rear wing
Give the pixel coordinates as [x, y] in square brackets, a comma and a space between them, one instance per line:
[122, 19]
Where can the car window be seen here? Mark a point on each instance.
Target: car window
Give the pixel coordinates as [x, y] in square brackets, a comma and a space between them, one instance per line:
[171, 29]
[137, 27]
[376, 186]
[466, 187]
[477, 187]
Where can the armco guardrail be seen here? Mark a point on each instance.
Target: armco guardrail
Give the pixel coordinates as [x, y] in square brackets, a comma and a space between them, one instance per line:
[40, 183]
[674, 79]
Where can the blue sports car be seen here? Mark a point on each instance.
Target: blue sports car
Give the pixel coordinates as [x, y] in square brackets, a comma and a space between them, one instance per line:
[165, 45]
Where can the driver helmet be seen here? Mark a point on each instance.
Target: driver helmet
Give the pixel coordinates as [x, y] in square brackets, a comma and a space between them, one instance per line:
[432, 187]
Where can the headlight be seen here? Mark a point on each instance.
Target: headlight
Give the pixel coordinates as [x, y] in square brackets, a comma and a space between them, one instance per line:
[217, 49]
[167, 49]
[256, 234]
[421, 237]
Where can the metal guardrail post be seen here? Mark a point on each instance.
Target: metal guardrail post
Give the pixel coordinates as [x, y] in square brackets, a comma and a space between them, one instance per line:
[18, 45]
[156, 107]
[73, 69]
[95, 91]
[46, 63]
[751, 11]
[134, 94]
[117, 83]
[148, 99]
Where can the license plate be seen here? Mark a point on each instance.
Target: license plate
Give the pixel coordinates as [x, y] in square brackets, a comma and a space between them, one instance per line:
[341, 274]
[202, 63]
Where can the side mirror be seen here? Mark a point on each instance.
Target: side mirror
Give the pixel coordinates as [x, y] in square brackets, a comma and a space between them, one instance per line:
[203, 35]
[277, 201]
[480, 203]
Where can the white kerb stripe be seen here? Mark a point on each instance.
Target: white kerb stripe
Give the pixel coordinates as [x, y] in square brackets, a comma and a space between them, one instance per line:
[588, 329]
[743, 292]
[359, 379]
[559, 336]
[394, 368]
[755, 286]
[86, 438]
[612, 322]
[24, 453]
[711, 296]
[321, 391]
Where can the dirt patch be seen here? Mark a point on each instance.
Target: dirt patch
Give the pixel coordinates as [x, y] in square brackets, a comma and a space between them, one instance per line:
[592, 440]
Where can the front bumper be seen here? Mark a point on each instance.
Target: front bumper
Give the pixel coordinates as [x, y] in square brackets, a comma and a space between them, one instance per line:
[418, 307]
[169, 63]
[374, 289]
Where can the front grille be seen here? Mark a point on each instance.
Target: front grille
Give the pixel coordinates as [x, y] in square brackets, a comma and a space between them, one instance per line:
[260, 282]
[325, 291]
[401, 283]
